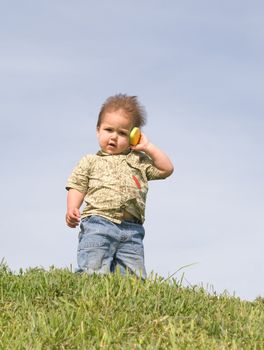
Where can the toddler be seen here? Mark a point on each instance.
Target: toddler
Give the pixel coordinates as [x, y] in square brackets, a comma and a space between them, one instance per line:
[113, 184]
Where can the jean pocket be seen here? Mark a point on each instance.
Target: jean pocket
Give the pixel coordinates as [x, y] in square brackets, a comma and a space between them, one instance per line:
[94, 233]
[85, 219]
[89, 241]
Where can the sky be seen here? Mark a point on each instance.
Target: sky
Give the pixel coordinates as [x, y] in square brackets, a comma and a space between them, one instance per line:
[198, 68]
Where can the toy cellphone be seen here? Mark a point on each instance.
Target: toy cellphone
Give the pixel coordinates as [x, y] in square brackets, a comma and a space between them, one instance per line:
[134, 136]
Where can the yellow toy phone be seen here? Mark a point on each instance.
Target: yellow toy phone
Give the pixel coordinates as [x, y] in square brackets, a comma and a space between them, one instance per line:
[134, 136]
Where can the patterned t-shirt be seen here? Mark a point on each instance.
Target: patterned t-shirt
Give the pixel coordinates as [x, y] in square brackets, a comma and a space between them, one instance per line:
[113, 184]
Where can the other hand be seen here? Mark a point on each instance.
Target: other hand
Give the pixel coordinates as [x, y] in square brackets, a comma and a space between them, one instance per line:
[73, 217]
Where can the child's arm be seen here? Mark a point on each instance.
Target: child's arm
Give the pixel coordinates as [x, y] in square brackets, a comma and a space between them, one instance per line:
[160, 160]
[74, 202]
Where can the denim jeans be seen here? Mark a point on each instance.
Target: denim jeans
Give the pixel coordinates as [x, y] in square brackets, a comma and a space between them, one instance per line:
[105, 246]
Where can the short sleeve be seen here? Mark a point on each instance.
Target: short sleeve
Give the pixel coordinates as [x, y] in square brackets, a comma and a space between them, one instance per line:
[79, 178]
[151, 171]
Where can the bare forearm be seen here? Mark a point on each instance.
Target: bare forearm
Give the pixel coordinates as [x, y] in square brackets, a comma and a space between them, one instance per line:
[74, 199]
[74, 202]
[160, 159]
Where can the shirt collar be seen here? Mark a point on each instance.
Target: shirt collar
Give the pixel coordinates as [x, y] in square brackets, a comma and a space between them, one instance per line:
[102, 153]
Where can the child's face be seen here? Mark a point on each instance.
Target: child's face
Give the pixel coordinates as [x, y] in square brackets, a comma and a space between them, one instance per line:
[113, 133]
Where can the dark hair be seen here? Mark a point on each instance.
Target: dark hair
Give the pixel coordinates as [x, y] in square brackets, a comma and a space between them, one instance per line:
[129, 104]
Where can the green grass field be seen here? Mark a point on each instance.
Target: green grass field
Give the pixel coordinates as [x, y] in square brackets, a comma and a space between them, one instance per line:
[58, 309]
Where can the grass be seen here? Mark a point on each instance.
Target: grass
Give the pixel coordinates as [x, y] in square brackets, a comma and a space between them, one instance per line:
[58, 309]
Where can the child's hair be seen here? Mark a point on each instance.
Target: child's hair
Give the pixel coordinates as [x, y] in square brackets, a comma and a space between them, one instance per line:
[129, 104]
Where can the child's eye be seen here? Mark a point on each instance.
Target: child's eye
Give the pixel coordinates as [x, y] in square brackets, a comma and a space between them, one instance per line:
[123, 133]
[108, 129]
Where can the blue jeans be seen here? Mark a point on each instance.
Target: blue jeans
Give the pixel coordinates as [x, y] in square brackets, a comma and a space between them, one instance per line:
[105, 246]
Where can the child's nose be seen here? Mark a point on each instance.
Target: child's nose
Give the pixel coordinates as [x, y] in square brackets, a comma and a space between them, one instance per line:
[114, 135]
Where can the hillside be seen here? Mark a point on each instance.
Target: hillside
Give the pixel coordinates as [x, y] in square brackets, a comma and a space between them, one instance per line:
[58, 309]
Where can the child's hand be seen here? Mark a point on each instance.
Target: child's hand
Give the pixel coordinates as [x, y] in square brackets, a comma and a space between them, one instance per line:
[160, 160]
[73, 217]
[142, 145]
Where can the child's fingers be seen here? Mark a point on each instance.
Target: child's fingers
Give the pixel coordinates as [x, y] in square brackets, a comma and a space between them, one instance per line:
[72, 224]
[76, 213]
[73, 218]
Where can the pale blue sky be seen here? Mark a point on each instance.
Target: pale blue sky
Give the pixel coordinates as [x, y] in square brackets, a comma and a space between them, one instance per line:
[197, 67]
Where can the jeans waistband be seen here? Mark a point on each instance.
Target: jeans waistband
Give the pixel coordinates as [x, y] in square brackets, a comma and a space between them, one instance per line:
[134, 220]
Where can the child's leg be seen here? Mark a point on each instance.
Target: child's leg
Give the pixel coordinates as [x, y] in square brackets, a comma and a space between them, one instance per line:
[96, 247]
[130, 251]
